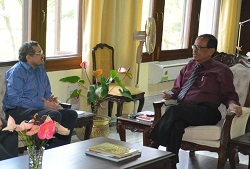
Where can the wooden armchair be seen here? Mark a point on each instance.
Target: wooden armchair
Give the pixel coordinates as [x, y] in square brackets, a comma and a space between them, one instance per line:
[216, 138]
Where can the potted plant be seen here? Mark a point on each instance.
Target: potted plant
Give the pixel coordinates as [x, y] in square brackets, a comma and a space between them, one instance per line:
[99, 92]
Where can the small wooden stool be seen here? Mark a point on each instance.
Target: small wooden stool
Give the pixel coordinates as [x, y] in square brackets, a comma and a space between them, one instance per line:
[239, 144]
[134, 125]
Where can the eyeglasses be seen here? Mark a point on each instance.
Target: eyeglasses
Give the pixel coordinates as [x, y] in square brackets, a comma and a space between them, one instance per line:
[197, 47]
[39, 53]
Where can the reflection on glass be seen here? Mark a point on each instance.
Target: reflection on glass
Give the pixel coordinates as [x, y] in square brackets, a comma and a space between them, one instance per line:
[62, 27]
[11, 19]
[175, 24]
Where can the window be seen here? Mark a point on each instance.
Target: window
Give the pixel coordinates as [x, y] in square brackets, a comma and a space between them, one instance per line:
[177, 26]
[56, 25]
[62, 27]
[11, 29]
[209, 17]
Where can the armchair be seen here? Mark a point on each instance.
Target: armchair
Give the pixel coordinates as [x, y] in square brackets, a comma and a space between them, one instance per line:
[216, 138]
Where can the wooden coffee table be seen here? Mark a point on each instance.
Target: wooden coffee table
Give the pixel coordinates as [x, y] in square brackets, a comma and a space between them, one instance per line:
[73, 156]
[240, 144]
[124, 122]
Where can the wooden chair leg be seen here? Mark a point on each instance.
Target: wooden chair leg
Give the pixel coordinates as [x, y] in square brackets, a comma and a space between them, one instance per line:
[222, 158]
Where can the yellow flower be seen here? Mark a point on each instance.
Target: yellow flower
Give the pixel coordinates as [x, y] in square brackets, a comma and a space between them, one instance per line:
[98, 72]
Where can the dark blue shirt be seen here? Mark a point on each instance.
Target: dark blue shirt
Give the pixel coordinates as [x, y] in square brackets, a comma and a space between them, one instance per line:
[26, 86]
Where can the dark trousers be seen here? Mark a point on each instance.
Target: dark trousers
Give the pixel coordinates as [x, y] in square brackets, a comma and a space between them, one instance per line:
[8, 143]
[171, 126]
[66, 117]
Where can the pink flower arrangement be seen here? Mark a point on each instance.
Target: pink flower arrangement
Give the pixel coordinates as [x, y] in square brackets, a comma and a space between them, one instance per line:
[37, 131]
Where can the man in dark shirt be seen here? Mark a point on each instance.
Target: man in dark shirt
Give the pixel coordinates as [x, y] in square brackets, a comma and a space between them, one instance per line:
[213, 86]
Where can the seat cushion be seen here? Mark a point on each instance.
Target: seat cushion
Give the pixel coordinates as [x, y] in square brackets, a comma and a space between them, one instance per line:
[208, 132]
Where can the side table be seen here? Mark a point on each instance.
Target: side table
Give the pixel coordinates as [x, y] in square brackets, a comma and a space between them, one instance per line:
[134, 125]
[115, 96]
[239, 144]
[85, 119]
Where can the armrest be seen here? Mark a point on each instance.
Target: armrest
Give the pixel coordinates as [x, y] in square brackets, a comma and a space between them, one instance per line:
[239, 124]
[234, 126]
[157, 108]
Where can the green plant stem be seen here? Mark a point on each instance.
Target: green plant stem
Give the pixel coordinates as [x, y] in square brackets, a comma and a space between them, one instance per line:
[87, 77]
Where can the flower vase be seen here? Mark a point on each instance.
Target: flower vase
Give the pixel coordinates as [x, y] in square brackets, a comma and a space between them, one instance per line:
[35, 157]
[100, 126]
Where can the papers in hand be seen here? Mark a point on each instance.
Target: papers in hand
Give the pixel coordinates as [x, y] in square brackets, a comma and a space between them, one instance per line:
[113, 152]
[167, 92]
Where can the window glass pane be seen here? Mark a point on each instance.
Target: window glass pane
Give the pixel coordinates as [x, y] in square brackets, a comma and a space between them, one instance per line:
[62, 27]
[11, 19]
[174, 24]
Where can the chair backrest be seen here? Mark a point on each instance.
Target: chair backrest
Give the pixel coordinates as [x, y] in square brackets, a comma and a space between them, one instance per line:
[103, 58]
[241, 82]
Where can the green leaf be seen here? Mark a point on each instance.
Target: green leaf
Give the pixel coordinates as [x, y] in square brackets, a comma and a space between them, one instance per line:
[91, 95]
[81, 81]
[70, 79]
[75, 93]
[125, 92]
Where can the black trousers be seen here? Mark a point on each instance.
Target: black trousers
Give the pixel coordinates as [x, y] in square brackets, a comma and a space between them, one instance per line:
[8, 143]
[171, 126]
[66, 117]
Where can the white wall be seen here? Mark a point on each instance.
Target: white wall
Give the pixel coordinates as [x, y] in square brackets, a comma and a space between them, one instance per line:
[151, 89]
[58, 88]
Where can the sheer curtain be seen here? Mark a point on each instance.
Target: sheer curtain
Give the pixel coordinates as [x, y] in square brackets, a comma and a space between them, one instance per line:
[228, 25]
[112, 22]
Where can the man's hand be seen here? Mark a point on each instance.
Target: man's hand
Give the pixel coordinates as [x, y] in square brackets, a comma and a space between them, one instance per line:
[50, 104]
[53, 99]
[166, 96]
[235, 108]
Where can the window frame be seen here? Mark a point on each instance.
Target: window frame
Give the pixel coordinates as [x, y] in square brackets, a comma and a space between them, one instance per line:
[38, 33]
[164, 55]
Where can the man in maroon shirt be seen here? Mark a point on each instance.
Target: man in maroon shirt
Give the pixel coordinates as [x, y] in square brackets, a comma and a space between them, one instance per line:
[213, 86]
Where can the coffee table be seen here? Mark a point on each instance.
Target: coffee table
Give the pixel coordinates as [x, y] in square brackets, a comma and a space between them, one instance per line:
[72, 156]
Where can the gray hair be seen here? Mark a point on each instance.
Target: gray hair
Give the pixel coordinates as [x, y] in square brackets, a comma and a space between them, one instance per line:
[26, 49]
